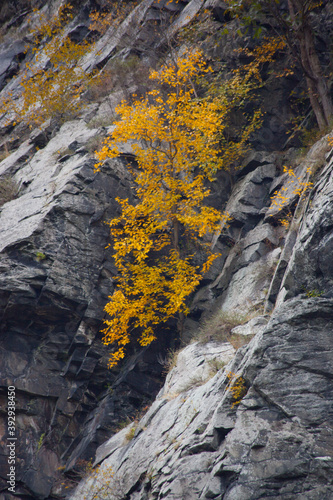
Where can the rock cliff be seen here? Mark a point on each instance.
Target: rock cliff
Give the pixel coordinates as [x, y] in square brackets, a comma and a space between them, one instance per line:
[276, 443]
[271, 284]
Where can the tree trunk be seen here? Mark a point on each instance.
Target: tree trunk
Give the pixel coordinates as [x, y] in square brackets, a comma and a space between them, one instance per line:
[175, 241]
[317, 87]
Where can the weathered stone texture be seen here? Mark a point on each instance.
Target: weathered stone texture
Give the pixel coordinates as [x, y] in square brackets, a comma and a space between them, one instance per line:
[55, 279]
[56, 275]
[276, 441]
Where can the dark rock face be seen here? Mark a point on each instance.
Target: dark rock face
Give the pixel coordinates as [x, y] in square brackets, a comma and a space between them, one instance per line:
[310, 266]
[9, 58]
[55, 280]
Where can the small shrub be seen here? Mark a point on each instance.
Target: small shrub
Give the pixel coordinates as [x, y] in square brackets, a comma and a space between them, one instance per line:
[130, 434]
[123, 423]
[9, 189]
[313, 293]
[196, 381]
[237, 387]
[219, 326]
[40, 256]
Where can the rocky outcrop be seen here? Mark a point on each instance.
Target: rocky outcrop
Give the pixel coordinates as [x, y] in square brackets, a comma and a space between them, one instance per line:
[276, 442]
[272, 438]
[55, 279]
[309, 266]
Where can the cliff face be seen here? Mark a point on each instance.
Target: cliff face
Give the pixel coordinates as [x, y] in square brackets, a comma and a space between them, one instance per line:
[277, 441]
[56, 276]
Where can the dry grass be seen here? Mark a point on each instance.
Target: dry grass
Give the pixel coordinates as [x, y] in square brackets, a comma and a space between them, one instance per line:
[219, 326]
[170, 360]
[130, 434]
[94, 144]
[238, 341]
[129, 75]
[9, 189]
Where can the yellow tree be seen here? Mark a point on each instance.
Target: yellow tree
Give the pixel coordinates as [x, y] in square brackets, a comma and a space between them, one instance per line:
[53, 81]
[111, 15]
[176, 142]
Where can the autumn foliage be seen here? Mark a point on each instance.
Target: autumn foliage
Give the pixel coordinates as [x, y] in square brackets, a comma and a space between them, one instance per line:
[111, 16]
[293, 23]
[54, 80]
[176, 138]
[237, 387]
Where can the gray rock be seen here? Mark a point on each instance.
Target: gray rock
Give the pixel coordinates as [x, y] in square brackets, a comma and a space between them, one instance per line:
[55, 279]
[195, 365]
[251, 194]
[308, 259]
[248, 286]
[276, 435]
[9, 58]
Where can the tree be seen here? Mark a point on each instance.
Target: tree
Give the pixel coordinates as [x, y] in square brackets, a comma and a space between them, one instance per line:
[53, 82]
[176, 140]
[112, 14]
[318, 89]
[295, 29]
